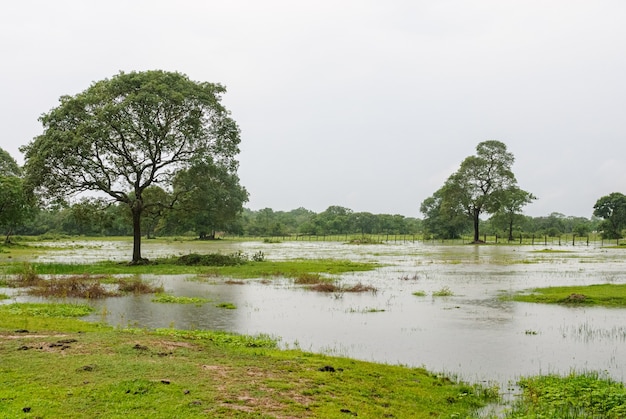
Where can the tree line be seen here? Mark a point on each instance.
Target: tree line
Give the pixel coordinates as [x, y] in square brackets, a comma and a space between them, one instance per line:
[154, 153]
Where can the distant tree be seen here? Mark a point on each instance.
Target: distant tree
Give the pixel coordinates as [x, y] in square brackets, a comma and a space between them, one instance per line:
[480, 185]
[211, 198]
[612, 208]
[86, 216]
[512, 200]
[128, 133]
[16, 202]
[334, 220]
[441, 220]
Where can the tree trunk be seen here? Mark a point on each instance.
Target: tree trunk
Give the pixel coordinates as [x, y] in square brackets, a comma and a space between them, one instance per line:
[510, 230]
[136, 211]
[476, 222]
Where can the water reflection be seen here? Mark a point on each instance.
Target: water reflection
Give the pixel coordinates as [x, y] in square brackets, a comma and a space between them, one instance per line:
[472, 333]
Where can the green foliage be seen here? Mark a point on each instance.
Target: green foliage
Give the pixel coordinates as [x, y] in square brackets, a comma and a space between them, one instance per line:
[443, 292]
[250, 269]
[221, 338]
[126, 134]
[484, 183]
[612, 208]
[213, 259]
[8, 165]
[611, 295]
[574, 396]
[46, 310]
[171, 299]
[211, 197]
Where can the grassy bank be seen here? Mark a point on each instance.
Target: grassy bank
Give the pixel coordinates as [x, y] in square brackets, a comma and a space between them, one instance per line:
[609, 295]
[250, 269]
[54, 365]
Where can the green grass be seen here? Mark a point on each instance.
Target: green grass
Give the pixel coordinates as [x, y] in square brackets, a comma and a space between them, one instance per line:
[443, 292]
[46, 310]
[171, 299]
[609, 295]
[251, 269]
[573, 396]
[56, 371]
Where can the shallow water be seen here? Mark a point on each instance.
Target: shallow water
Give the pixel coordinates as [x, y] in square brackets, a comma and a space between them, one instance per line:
[472, 334]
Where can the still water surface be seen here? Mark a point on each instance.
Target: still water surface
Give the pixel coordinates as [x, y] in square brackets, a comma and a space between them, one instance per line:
[472, 334]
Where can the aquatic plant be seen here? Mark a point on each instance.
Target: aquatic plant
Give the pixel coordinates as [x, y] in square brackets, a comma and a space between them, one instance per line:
[172, 299]
[443, 292]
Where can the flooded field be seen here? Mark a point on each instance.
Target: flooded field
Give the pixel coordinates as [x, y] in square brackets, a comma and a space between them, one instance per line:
[472, 333]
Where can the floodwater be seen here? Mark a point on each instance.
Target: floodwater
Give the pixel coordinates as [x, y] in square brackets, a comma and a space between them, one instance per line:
[473, 334]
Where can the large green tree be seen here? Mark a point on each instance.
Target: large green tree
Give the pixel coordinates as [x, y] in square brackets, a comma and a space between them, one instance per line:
[612, 208]
[480, 185]
[125, 134]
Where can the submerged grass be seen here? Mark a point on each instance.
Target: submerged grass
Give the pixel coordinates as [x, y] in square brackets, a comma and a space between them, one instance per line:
[53, 371]
[610, 295]
[172, 299]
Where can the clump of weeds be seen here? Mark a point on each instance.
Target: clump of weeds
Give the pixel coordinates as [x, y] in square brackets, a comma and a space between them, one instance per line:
[443, 292]
[137, 286]
[308, 279]
[27, 276]
[77, 286]
[334, 288]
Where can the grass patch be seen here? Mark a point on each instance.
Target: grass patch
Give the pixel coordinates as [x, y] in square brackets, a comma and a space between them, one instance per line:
[443, 292]
[573, 396]
[331, 287]
[366, 310]
[610, 295]
[171, 299]
[550, 251]
[46, 310]
[108, 372]
[419, 293]
[248, 270]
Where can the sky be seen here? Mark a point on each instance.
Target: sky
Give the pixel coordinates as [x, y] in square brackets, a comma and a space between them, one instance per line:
[367, 104]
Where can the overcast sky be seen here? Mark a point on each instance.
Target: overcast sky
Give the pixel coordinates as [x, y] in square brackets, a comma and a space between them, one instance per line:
[365, 104]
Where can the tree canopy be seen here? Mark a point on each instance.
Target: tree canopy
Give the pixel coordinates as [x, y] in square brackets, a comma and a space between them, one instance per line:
[16, 203]
[612, 208]
[128, 133]
[484, 183]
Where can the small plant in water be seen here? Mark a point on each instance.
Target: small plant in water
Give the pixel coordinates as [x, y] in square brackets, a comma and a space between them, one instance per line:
[420, 293]
[228, 306]
[137, 286]
[166, 298]
[531, 332]
[443, 292]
